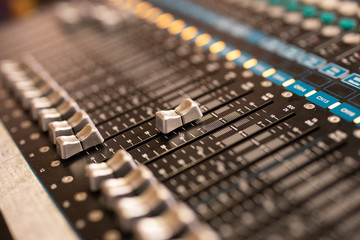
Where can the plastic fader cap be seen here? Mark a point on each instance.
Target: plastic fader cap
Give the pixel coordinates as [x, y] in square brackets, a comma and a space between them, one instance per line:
[79, 120]
[63, 111]
[59, 128]
[97, 173]
[166, 225]
[154, 200]
[166, 121]
[132, 184]
[121, 163]
[68, 108]
[70, 127]
[199, 231]
[68, 146]
[187, 111]
[89, 136]
[54, 99]
[27, 95]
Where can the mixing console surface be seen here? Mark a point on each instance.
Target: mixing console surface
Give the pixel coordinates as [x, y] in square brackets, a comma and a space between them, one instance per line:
[183, 119]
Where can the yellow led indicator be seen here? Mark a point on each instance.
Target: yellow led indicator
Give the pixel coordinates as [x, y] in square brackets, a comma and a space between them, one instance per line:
[152, 14]
[217, 47]
[176, 27]
[142, 8]
[334, 105]
[310, 93]
[357, 120]
[164, 20]
[268, 72]
[130, 4]
[234, 54]
[189, 33]
[288, 82]
[203, 39]
[250, 63]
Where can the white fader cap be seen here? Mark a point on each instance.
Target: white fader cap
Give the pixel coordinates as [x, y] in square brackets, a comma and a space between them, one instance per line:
[186, 112]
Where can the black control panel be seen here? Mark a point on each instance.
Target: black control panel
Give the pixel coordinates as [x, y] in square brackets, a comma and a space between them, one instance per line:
[272, 154]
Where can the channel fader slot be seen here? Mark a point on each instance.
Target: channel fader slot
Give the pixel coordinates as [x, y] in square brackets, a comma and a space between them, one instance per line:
[186, 119]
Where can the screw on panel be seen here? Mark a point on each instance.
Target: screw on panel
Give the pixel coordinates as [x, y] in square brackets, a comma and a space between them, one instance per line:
[309, 106]
[67, 179]
[266, 83]
[287, 94]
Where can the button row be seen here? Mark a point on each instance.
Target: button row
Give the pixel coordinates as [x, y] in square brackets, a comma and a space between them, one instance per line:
[70, 128]
[187, 111]
[142, 205]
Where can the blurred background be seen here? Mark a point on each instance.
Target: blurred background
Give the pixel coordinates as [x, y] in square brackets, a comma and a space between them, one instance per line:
[18, 8]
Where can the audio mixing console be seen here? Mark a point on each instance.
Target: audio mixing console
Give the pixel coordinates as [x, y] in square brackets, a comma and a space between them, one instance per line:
[192, 119]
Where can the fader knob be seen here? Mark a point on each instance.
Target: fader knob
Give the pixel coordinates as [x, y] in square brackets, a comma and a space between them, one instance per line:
[59, 128]
[121, 163]
[68, 146]
[166, 121]
[189, 110]
[89, 136]
[97, 173]
[79, 120]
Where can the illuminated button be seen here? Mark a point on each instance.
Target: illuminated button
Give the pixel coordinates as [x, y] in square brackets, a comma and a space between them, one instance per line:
[68, 146]
[333, 70]
[97, 173]
[348, 8]
[300, 88]
[203, 40]
[293, 18]
[189, 33]
[259, 68]
[329, 4]
[59, 128]
[311, 24]
[327, 17]
[330, 31]
[309, 11]
[351, 38]
[153, 201]
[322, 99]
[353, 80]
[275, 11]
[346, 111]
[121, 163]
[291, 52]
[166, 225]
[311, 61]
[231, 56]
[89, 136]
[347, 23]
[279, 77]
[133, 184]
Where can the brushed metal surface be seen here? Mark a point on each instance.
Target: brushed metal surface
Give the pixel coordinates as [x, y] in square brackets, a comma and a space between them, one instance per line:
[27, 208]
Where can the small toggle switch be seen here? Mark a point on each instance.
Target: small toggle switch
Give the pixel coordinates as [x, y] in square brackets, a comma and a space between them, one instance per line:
[59, 128]
[79, 120]
[165, 226]
[68, 146]
[153, 201]
[89, 136]
[187, 111]
[132, 184]
[97, 173]
[121, 163]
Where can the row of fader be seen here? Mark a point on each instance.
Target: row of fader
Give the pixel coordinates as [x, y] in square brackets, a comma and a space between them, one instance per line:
[142, 205]
[70, 128]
